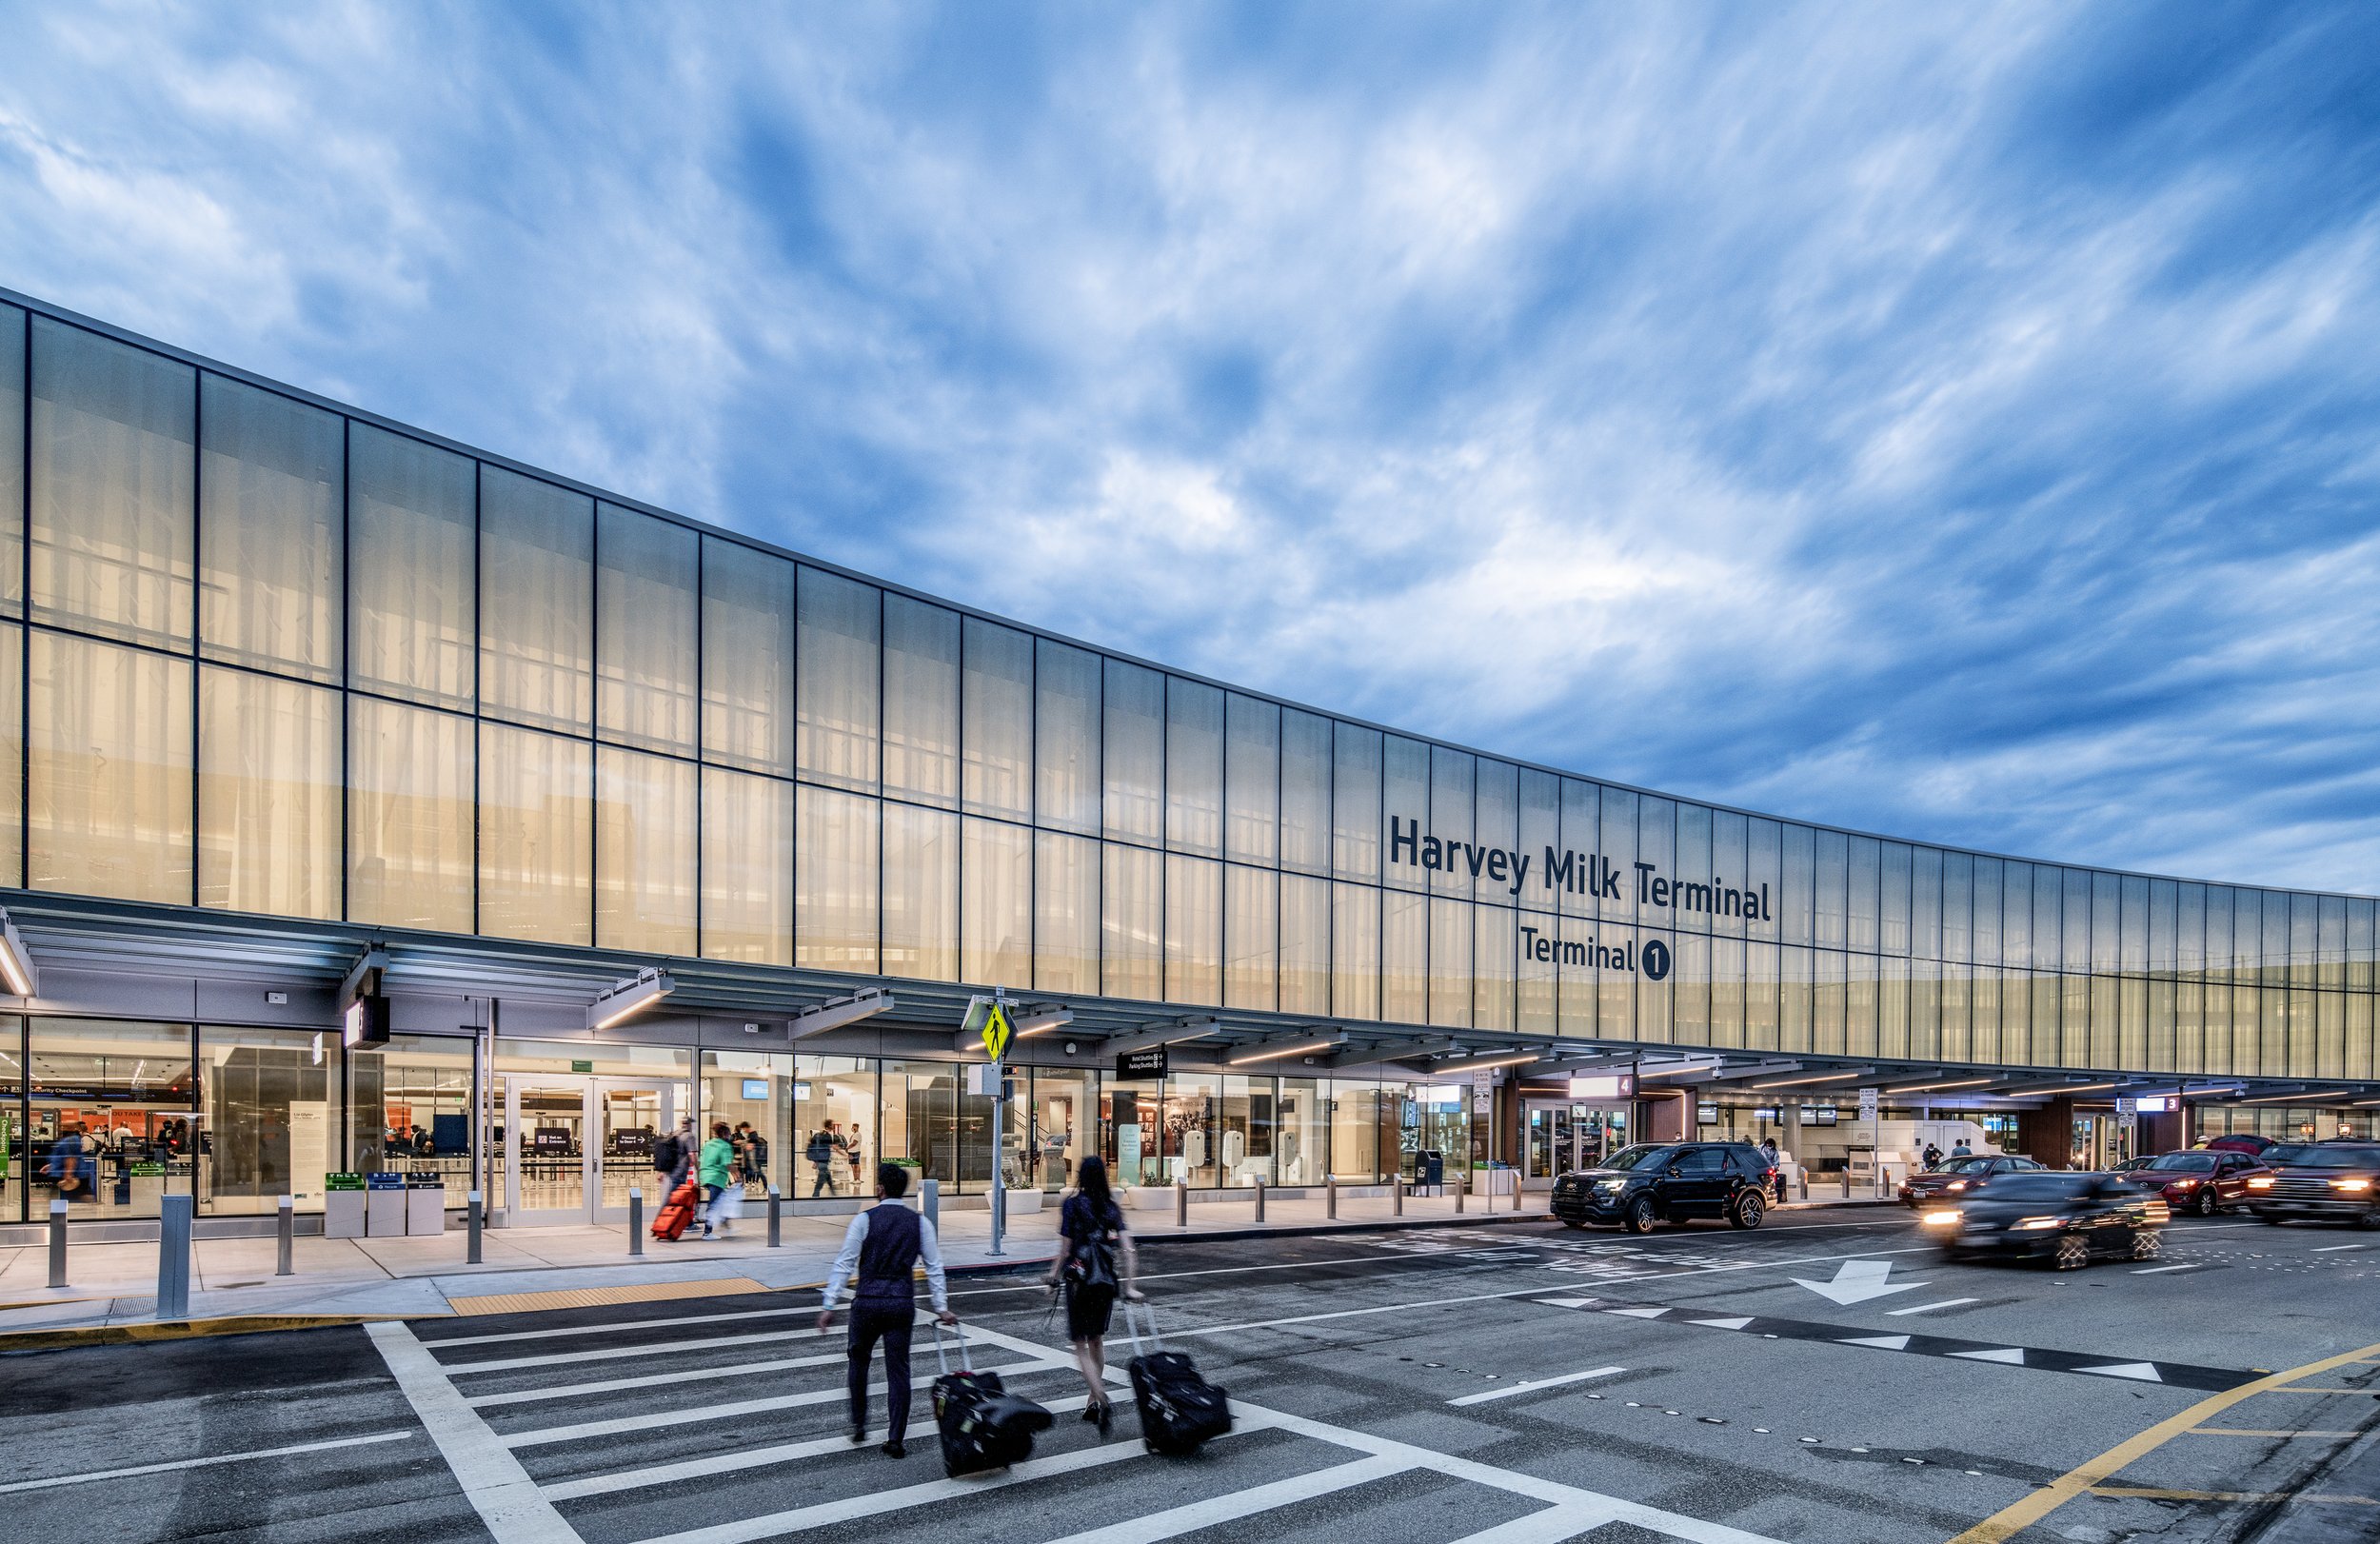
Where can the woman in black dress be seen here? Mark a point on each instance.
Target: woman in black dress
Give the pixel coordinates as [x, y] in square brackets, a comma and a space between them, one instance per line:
[1096, 1264]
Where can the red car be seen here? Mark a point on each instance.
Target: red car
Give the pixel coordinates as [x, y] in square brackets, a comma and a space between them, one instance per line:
[2239, 1143]
[2206, 1181]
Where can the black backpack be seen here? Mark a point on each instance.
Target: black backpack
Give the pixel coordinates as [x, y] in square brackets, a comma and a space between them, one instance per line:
[822, 1149]
[665, 1154]
[1091, 1265]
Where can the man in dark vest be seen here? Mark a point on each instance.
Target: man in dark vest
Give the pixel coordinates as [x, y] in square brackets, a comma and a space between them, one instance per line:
[882, 1248]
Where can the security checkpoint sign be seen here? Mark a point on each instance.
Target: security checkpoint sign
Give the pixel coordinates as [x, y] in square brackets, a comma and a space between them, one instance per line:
[1867, 1105]
[997, 1032]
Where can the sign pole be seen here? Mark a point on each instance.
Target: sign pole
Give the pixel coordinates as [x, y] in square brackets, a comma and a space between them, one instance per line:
[996, 1041]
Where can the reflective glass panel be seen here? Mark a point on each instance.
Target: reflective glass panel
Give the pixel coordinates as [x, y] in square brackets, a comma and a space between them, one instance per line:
[413, 530]
[1251, 934]
[1134, 769]
[646, 851]
[271, 531]
[748, 657]
[1355, 795]
[410, 817]
[839, 667]
[920, 702]
[12, 474]
[536, 835]
[1132, 940]
[1066, 912]
[1066, 738]
[1193, 768]
[1356, 951]
[1251, 775]
[1305, 944]
[838, 836]
[271, 1128]
[1194, 930]
[997, 717]
[920, 893]
[996, 906]
[747, 868]
[646, 628]
[107, 796]
[1305, 792]
[1404, 956]
[269, 769]
[537, 601]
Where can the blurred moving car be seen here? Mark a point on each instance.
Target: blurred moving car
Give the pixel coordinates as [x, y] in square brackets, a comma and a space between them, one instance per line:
[1960, 1175]
[2200, 1182]
[2239, 1143]
[2335, 1180]
[2064, 1218]
[1668, 1182]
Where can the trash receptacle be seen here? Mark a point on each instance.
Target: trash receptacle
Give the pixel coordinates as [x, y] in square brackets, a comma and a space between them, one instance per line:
[1429, 1167]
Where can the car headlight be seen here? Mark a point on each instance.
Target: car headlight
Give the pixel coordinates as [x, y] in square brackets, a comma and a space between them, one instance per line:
[2351, 1184]
[2033, 1224]
[1607, 1184]
[1956, 1184]
[2184, 1184]
[1947, 1217]
[2260, 1184]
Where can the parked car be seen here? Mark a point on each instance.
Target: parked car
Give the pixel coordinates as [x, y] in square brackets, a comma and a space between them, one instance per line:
[2203, 1182]
[1960, 1175]
[1669, 1182]
[2064, 1218]
[2242, 1142]
[2336, 1180]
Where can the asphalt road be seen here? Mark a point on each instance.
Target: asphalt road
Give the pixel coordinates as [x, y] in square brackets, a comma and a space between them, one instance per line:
[1502, 1384]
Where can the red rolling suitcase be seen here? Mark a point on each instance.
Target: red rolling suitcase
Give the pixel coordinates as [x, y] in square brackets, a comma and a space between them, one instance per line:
[675, 1212]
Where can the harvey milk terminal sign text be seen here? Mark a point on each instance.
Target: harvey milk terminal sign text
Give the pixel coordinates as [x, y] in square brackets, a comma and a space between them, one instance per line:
[1565, 872]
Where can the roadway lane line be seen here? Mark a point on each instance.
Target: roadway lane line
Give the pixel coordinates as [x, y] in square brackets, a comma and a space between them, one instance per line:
[2015, 1518]
[1534, 1384]
[492, 1479]
[649, 1380]
[89, 1475]
[2332, 1249]
[646, 1420]
[2243, 1431]
[2160, 1270]
[1175, 1522]
[1928, 1308]
[659, 1348]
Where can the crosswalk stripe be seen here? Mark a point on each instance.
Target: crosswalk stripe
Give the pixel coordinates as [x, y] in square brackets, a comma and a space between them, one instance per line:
[1175, 1522]
[643, 1420]
[446, 1342]
[648, 1381]
[1551, 1526]
[492, 1479]
[718, 1463]
[606, 1354]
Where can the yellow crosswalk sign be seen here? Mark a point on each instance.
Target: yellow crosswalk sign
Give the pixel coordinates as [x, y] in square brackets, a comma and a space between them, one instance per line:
[998, 1031]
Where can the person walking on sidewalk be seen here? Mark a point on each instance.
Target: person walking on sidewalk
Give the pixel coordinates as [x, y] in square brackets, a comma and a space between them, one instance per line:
[1096, 1263]
[713, 1171]
[883, 1247]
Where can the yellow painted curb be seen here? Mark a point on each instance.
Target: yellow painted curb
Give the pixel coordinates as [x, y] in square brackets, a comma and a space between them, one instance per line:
[149, 1330]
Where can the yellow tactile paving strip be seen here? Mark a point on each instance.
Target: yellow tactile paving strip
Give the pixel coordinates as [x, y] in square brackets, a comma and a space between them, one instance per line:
[529, 1303]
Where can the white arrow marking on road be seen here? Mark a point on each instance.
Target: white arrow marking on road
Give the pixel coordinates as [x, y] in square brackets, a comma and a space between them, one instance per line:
[2013, 1357]
[1882, 1342]
[1855, 1281]
[2145, 1372]
[1721, 1324]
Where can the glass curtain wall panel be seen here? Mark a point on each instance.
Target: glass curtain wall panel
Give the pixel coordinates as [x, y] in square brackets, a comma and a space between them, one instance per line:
[1695, 913]
[835, 890]
[1305, 944]
[1495, 826]
[748, 632]
[1494, 966]
[1133, 767]
[1577, 986]
[411, 816]
[1729, 834]
[108, 808]
[1538, 832]
[536, 835]
[1760, 996]
[1252, 778]
[1925, 903]
[1404, 956]
[998, 719]
[1194, 930]
[268, 772]
[1688, 986]
[647, 847]
[114, 462]
[1066, 912]
[1453, 779]
[1536, 982]
[1066, 738]
[1727, 992]
[840, 666]
[1830, 895]
[1193, 768]
[1405, 805]
[11, 762]
[647, 627]
[1985, 935]
[996, 902]
[537, 601]
[1894, 906]
[2049, 888]
[2017, 914]
[1575, 890]
[1252, 961]
[921, 712]
[920, 893]
[271, 531]
[747, 868]
[11, 476]
[1450, 962]
[1132, 923]
[1302, 1126]
[270, 1125]
[1657, 845]
[1305, 792]
[412, 569]
[1619, 851]
[1356, 952]
[1958, 886]
[1861, 908]
[1356, 762]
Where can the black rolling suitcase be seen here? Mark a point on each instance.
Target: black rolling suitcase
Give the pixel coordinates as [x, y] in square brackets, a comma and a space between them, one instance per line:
[1178, 1408]
[982, 1425]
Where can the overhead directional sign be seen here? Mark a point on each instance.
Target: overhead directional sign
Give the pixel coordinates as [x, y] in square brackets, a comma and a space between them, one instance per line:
[998, 1031]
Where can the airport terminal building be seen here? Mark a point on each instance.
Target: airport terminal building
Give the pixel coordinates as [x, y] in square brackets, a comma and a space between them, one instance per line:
[369, 804]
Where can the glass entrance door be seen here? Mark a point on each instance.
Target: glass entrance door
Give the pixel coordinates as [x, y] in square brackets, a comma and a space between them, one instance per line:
[574, 1146]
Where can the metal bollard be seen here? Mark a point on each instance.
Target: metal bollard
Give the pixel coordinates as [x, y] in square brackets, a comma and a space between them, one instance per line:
[930, 1201]
[1462, 1183]
[1397, 1194]
[636, 1219]
[474, 1223]
[173, 1258]
[1330, 1197]
[285, 1263]
[1181, 1203]
[774, 1198]
[1259, 1198]
[1516, 1190]
[57, 1243]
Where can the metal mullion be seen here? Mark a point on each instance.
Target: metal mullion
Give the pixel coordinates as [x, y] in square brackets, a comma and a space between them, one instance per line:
[198, 537]
[702, 550]
[479, 671]
[346, 609]
[594, 725]
[24, 648]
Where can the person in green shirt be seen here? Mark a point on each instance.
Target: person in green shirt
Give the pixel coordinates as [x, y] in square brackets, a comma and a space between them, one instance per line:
[712, 1172]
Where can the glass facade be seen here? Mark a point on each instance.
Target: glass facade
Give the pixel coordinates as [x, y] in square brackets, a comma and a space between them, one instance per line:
[259, 655]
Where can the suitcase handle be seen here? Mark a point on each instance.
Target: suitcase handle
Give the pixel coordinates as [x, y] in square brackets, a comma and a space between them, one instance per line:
[966, 1362]
[1131, 1328]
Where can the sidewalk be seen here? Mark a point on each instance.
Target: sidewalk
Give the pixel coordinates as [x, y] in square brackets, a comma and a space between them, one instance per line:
[112, 1287]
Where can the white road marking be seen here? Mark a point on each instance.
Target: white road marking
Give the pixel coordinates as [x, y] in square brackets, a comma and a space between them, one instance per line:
[1856, 1280]
[1721, 1324]
[1551, 1526]
[90, 1474]
[920, 1422]
[1637, 1313]
[648, 1381]
[1175, 1522]
[492, 1479]
[1534, 1384]
[2332, 1249]
[2013, 1355]
[606, 1354]
[1882, 1342]
[616, 1329]
[1928, 1308]
[644, 1421]
[2160, 1270]
[2140, 1372]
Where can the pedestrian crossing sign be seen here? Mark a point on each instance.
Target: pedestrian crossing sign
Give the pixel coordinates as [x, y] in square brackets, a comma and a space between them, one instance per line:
[997, 1032]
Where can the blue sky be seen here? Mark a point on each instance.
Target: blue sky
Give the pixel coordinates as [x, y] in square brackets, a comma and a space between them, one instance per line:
[1950, 420]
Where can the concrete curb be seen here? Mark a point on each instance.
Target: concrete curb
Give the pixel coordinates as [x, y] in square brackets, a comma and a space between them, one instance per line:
[18, 1341]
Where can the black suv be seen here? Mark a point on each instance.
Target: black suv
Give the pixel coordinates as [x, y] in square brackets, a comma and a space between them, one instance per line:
[2339, 1180]
[1668, 1182]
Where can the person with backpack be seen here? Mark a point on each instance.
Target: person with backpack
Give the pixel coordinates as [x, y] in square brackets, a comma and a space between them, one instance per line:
[821, 1153]
[882, 1249]
[1095, 1265]
[715, 1167]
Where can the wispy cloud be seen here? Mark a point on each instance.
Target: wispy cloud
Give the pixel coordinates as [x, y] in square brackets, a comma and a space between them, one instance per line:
[1953, 423]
